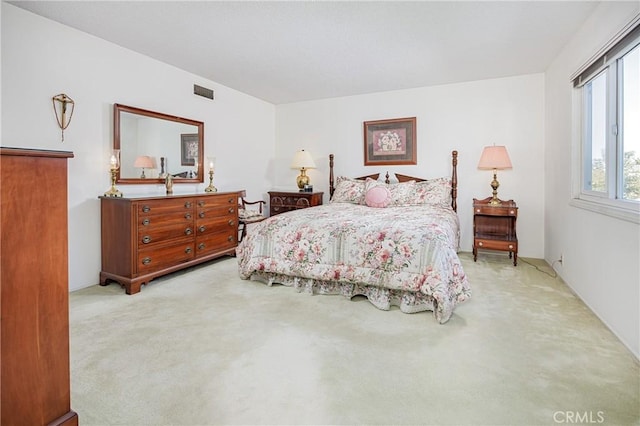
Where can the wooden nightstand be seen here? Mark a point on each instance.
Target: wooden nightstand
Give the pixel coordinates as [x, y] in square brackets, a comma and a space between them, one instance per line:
[494, 227]
[284, 201]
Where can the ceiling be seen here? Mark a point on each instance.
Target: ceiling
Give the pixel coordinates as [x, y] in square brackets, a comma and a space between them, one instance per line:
[293, 51]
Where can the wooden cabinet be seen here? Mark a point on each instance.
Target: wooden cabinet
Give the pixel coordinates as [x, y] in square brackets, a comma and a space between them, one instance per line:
[34, 331]
[494, 227]
[144, 238]
[284, 201]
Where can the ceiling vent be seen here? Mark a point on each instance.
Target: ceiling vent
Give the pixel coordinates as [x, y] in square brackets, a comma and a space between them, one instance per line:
[202, 91]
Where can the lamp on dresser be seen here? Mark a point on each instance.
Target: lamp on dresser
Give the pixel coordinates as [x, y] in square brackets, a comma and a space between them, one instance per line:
[494, 158]
[212, 163]
[114, 165]
[303, 160]
[143, 162]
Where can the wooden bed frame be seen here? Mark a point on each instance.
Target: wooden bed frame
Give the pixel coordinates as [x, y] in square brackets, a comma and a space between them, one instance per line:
[405, 178]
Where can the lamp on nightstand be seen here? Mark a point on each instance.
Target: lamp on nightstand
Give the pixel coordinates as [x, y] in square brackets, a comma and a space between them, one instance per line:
[143, 162]
[303, 161]
[496, 158]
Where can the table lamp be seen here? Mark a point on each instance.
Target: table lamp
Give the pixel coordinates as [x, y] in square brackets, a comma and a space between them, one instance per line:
[303, 161]
[494, 158]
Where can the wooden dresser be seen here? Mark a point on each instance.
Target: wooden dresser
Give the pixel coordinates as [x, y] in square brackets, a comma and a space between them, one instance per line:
[144, 238]
[494, 227]
[34, 331]
[285, 201]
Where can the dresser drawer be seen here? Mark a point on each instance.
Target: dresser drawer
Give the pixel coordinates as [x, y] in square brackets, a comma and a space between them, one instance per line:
[159, 257]
[216, 224]
[165, 207]
[217, 211]
[216, 201]
[160, 234]
[216, 241]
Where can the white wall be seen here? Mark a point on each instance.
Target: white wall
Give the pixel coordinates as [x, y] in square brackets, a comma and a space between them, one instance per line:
[464, 117]
[41, 58]
[600, 253]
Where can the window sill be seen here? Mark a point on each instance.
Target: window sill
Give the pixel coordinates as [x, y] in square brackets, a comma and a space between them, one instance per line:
[629, 214]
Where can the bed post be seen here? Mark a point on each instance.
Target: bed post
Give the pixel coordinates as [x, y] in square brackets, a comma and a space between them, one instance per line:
[331, 187]
[454, 180]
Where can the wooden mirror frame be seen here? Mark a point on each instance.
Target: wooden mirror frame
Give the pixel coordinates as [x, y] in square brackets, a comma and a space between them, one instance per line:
[119, 108]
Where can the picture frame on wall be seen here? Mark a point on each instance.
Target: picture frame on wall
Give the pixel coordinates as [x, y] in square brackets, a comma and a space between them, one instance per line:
[390, 142]
[188, 149]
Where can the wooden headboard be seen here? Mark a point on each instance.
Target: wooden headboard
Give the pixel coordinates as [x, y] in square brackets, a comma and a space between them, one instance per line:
[405, 178]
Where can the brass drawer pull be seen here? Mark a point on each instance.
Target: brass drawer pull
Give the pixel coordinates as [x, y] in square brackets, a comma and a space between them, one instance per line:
[146, 209]
[202, 228]
[188, 231]
[201, 246]
[231, 210]
[187, 204]
[187, 250]
[146, 261]
[201, 215]
[232, 222]
[201, 203]
[146, 239]
[230, 238]
[187, 215]
[146, 222]
[480, 244]
[231, 200]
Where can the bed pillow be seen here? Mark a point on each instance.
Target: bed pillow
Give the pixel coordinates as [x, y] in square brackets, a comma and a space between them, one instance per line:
[377, 196]
[348, 191]
[395, 194]
[433, 191]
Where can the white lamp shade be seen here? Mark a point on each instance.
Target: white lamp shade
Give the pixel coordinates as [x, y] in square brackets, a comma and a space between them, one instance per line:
[303, 160]
[494, 157]
[143, 161]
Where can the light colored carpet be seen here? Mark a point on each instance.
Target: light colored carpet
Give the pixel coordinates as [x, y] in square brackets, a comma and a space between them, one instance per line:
[202, 347]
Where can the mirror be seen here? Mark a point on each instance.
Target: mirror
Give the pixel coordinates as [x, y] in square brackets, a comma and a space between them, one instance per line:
[172, 145]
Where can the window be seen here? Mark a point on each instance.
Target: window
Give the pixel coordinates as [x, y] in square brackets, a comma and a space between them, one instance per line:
[609, 90]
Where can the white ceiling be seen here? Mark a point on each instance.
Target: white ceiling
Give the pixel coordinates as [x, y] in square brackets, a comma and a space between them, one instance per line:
[293, 51]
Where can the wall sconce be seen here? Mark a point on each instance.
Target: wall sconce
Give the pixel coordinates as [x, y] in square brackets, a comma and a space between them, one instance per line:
[60, 103]
[496, 158]
[303, 161]
[211, 188]
[114, 165]
[143, 162]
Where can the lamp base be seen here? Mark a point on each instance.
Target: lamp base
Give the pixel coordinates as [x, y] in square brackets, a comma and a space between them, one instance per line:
[211, 188]
[113, 191]
[302, 179]
[495, 201]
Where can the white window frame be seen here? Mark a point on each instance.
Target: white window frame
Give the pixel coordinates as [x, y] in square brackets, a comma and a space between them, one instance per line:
[608, 202]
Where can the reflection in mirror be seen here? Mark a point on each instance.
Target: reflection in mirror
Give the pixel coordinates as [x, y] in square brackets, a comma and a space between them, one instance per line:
[173, 144]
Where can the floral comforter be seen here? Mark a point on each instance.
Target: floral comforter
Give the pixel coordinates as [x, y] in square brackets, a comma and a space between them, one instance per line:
[404, 256]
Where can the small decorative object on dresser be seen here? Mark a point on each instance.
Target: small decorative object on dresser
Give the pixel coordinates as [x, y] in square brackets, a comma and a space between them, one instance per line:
[494, 227]
[144, 238]
[285, 201]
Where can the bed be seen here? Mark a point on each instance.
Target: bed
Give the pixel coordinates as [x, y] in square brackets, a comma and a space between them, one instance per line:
[395, 243]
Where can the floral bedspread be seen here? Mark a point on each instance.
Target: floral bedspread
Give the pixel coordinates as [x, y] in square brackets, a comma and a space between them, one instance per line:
[405, 256]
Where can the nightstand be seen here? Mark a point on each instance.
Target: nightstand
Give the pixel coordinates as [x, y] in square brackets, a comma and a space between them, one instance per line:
[494, 227]
[284, 201]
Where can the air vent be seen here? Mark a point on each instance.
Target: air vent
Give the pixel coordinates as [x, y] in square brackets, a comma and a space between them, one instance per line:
[202, 91]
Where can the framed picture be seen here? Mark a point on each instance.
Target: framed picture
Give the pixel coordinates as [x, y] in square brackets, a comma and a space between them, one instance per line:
[390, 142]
[188, 149]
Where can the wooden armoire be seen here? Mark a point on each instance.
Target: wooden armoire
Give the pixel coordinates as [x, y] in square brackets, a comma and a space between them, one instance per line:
[34, 289]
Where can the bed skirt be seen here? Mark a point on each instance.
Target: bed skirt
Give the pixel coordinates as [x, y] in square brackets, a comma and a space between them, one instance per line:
[382, 298]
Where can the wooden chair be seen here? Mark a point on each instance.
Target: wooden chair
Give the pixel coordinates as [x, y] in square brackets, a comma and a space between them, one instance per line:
[248, 214]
